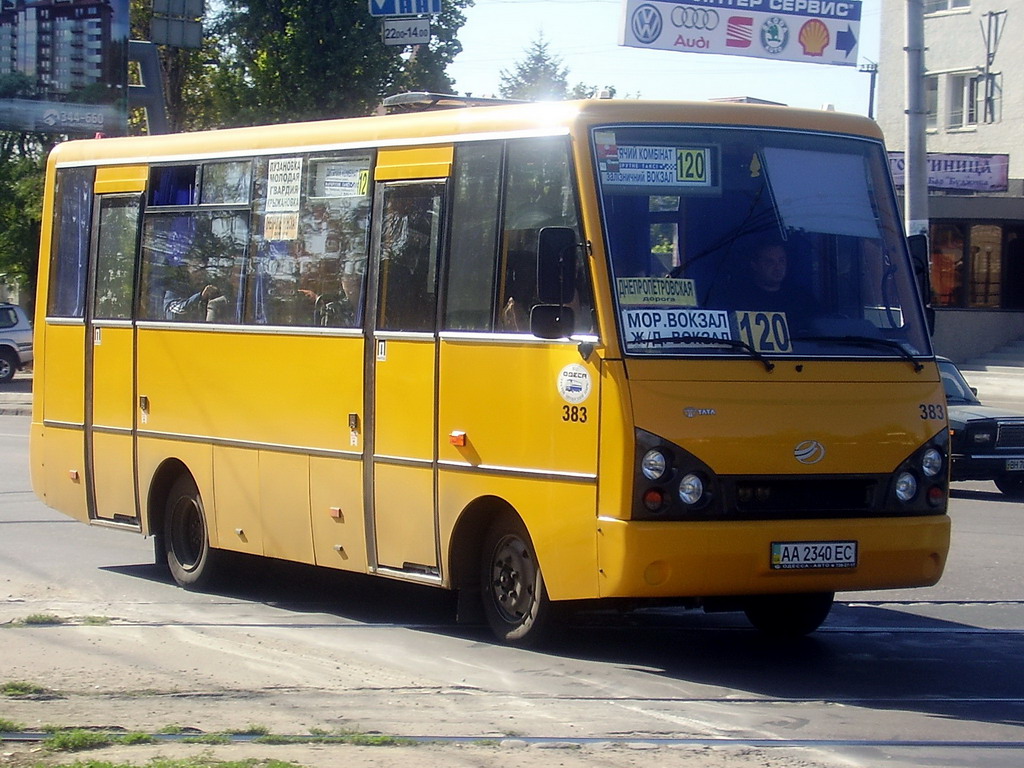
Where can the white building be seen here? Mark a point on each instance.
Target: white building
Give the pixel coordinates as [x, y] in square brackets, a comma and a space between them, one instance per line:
[974, 87]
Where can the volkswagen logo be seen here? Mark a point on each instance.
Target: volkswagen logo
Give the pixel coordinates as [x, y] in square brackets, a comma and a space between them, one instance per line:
[694, 18]
[809, 452]
[646, 23]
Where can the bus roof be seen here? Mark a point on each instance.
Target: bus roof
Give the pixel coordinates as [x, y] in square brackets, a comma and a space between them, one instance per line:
[451, 124]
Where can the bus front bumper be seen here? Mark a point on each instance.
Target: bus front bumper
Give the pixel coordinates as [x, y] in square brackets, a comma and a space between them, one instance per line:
[706, 559]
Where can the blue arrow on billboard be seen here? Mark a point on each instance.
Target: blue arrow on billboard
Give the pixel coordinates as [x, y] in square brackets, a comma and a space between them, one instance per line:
[846, 41]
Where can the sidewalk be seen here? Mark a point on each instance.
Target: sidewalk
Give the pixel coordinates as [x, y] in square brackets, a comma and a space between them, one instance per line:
[998, 376]
[16, 397]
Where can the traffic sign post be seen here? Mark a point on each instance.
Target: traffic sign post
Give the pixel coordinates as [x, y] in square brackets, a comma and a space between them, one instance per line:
[404, 7]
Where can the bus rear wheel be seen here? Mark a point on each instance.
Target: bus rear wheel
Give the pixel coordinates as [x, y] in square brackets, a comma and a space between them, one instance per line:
[191, 559]
[789, 615]
[514, 597]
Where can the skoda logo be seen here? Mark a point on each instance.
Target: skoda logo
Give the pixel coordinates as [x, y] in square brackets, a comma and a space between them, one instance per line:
[694, 18]
[809, 452]
[646, 23]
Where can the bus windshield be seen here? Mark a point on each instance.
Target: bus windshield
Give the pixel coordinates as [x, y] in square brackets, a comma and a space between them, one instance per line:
[765, 242]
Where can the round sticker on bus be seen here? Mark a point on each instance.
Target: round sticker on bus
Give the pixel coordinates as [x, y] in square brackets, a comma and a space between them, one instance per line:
[574, 383]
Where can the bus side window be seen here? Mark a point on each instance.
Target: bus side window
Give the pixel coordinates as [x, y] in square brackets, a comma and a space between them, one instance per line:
[308, 265]
[476, 189]
[409, 246]
[72, 232]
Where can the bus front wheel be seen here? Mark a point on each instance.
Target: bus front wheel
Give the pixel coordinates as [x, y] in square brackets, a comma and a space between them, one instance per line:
[789, 615]
[190, 557]
[515, 600]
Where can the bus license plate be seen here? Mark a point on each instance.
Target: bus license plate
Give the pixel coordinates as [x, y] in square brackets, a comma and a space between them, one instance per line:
[793, 555]
[1015, 465]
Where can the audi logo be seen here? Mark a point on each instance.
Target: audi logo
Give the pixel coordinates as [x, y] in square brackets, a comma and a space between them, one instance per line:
[694, 18]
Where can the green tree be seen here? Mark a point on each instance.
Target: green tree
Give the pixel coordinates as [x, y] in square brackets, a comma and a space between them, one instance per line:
[541, 76]
[22, 163]
[288, 60]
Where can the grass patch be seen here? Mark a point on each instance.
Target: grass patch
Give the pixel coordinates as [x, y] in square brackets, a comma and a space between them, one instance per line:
[77, 740]
[135, 737]
[21, 688]
[252, 730]
[96, 621]
[41, 620]
[207, 738]
[9, 726]
[355, 738]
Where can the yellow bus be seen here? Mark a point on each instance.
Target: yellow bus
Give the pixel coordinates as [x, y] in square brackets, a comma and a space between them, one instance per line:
[542, 354]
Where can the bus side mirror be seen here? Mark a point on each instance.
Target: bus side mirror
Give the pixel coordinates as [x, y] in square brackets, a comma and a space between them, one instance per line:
[557, 254]
[922, 273]
[552, 321]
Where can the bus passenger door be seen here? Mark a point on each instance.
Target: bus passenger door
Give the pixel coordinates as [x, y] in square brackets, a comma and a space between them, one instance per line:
[402, 368]
[110, 360]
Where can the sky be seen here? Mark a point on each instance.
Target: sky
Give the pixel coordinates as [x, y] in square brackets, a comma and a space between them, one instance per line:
[585, 33]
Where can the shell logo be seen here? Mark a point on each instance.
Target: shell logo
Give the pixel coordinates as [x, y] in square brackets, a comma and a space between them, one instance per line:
[814, 37]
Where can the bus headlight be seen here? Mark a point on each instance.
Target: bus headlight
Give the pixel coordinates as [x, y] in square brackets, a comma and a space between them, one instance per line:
[931, 462]
[906, 487]
[691, 489]
[653, 465]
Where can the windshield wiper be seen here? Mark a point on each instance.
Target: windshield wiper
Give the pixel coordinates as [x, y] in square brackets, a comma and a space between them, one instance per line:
[868, 341]
[734, 343]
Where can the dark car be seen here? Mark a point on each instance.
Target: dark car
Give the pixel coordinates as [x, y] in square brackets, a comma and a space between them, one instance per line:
[986, 442]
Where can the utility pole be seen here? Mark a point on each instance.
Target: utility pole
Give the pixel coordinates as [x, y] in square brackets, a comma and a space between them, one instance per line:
[872, 69]
[915, 214]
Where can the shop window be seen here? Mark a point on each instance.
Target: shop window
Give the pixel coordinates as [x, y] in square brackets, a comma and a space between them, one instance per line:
[947, 244]
[1013, 268]
[985, 284]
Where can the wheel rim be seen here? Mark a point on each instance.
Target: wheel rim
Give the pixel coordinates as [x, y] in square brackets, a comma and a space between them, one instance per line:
[6, 368]
[513, 579]
[188, 533]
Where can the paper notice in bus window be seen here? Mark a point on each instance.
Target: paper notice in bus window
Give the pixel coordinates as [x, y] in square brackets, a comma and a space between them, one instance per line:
[656, 291]
[341, 179]
[642, 166]
[284, 184]
[766, 332]
[281, 226]
[663, 324]
[607, 151]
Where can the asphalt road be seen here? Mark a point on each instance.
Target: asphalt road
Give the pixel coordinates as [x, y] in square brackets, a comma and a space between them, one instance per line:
[918, 677]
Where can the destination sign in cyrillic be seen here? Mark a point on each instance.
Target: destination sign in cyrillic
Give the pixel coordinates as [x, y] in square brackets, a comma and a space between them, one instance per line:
[644, 166]
[656, 291]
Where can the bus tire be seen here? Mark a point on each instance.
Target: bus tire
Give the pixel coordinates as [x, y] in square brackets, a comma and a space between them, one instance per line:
[789, 615]
[191, 559]
[515, 600]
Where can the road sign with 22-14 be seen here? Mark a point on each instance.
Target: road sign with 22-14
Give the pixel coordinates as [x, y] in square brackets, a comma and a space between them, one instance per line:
[404, 7]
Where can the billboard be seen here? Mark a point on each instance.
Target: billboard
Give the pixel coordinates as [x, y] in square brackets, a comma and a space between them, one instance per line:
[64, 66]
[977, 173]
[813, 31]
